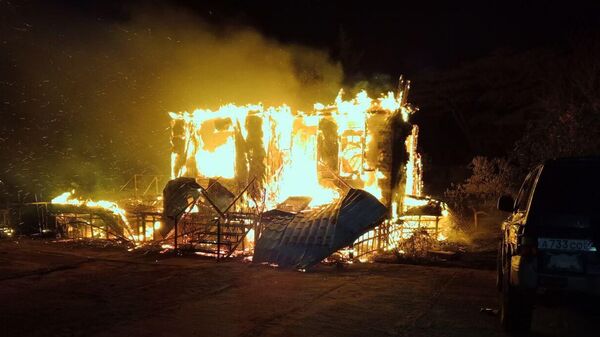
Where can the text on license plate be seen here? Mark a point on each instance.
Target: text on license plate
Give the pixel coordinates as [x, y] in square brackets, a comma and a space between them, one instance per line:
[566, 244]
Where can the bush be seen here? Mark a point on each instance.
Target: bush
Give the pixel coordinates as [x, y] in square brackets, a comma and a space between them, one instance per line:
[415, 247]
[490, 178]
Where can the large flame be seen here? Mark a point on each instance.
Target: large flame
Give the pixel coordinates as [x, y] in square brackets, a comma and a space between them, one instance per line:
[290, 153]
[414, 167]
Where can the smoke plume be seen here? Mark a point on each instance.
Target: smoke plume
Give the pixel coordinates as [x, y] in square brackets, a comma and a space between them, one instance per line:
[85, 99]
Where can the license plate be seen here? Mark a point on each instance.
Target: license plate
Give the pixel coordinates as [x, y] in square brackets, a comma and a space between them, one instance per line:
[566, 244]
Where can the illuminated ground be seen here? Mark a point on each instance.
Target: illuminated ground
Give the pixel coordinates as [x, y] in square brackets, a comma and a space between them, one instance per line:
[56, 290]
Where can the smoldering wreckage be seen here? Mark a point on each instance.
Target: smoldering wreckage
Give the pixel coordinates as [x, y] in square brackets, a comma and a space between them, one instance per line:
[279, 187]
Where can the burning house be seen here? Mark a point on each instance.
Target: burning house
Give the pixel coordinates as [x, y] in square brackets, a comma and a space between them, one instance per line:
[288, 187]
[282, 167]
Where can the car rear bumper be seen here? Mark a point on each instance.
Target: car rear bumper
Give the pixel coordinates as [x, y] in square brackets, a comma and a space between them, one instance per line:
[524, 275]
[581, 284]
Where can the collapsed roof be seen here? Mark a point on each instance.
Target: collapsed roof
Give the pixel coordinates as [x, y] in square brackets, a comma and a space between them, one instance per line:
[304, 239]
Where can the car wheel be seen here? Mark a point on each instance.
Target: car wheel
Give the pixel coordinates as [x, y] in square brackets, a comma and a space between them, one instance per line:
[516, 307]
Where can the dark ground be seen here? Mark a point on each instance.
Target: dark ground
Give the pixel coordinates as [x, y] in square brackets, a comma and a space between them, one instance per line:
[53, 289]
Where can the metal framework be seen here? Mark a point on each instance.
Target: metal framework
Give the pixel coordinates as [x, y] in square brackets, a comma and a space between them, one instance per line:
[212, 231]
[388, 233]
[76, 225]
[146, 225]
[144, 185]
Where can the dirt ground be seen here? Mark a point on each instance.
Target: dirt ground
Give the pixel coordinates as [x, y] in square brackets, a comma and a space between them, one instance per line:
[52, 289]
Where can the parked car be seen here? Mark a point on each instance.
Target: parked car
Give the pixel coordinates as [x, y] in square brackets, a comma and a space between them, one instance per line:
[551, 239]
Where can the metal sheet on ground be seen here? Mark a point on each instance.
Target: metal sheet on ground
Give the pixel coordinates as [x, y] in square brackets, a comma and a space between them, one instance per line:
[304, 239]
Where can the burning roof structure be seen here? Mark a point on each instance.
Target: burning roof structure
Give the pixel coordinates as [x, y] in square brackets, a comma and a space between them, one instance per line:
[97, 219]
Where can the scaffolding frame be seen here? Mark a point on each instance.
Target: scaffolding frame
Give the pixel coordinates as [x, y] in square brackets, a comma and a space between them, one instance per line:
[215, 232]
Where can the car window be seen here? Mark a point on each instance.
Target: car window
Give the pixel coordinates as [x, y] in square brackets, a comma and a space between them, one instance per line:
[525, 192]
[568, 189]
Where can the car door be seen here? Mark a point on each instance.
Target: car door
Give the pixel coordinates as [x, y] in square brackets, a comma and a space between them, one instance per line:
[513, 227]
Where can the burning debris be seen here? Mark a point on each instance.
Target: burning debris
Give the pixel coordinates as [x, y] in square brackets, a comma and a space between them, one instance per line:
[94, 219]
[417, 245]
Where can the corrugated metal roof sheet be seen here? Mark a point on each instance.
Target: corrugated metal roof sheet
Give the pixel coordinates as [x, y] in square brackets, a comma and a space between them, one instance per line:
[304, 239]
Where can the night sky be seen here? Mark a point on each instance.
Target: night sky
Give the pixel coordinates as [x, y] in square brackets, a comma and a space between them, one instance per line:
[86, 86]
[388, 37]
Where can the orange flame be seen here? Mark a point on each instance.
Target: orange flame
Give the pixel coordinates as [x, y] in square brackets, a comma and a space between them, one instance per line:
[67, 198]
[207, 144]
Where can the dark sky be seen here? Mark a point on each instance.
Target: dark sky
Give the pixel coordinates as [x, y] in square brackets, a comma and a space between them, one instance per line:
[423, 34]
[393, 36]
[86, 85]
